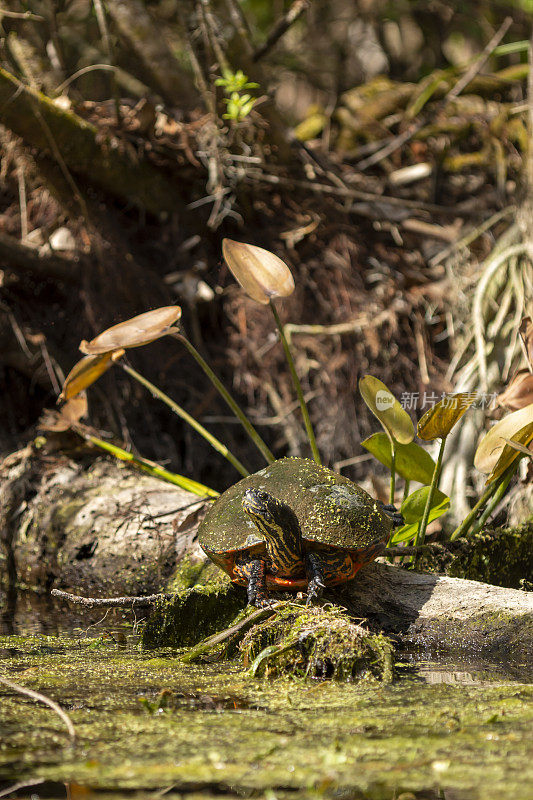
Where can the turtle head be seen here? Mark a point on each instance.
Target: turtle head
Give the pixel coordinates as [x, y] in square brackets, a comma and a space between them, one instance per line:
[277, 523]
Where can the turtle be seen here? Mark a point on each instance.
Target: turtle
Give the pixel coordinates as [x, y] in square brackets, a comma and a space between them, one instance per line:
[294, 526]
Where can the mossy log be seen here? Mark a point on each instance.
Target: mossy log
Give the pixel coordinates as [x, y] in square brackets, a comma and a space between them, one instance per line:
[100, 528]
[101, 161]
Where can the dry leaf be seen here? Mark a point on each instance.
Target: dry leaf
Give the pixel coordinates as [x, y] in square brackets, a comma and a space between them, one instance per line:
[519, 391]
[86, 371]
[134, 332]
[58, 421]
[261, 274]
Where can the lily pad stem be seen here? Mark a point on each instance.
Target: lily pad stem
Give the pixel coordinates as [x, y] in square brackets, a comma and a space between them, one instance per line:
[213, 441]
[489, 492]
[392, 470]
[421, 533]
[219, 386]
[493, 502]
[406, 489]
[297, 386]
[152, 469]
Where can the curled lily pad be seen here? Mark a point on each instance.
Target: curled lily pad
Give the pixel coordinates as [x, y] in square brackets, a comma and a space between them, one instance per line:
[438, 421]
[511, 452]
[261, 274]
[135, 332]
[86, 371]
[412, 462]
[382, 403]
[492, 444]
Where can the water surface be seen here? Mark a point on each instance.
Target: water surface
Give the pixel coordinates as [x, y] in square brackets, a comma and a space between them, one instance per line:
[148, 725]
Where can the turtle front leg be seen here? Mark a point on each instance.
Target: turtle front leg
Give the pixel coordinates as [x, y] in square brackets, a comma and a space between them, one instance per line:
[315, 568]
[257, 591]
[253, 571]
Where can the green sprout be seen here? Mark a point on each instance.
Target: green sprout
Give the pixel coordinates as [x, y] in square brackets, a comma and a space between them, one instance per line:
[238, 105]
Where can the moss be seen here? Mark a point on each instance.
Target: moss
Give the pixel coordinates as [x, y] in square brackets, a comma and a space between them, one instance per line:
[190, 616]
[196, 572]
[316, 642]
[501, 556]
[497, 635]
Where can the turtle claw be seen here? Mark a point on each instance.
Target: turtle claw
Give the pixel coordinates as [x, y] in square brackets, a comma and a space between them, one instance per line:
[392, 512]
[315, 590]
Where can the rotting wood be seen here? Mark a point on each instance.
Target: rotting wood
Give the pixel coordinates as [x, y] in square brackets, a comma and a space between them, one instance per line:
[38, 120]
[441, 612]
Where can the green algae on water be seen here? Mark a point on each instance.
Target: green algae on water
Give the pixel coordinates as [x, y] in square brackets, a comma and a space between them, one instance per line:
[221, 732]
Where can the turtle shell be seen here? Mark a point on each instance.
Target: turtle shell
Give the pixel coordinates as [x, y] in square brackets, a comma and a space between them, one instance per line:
[331, 509]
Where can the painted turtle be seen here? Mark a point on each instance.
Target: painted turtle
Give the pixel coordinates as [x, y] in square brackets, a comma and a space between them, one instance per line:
[294, 525]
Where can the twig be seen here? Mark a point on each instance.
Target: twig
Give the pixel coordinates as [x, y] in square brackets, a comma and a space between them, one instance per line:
[339, 191]
[400, 140]
[471, 236]
[21, 15]
[22, 203]
[83, 71]
[351, 326]
[111, 602]
[281, 27]
[21, 785]
[42, 698]
[240, 24]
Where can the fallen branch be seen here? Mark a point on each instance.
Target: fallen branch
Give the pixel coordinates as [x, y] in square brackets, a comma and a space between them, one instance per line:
[42, 698]
[110, 602]
[35, 118]
[446, 613]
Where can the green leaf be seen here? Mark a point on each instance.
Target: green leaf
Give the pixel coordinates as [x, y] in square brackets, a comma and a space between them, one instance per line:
[404, 534]
[413, 507]
[409, 531]
[438, 421]
[412, 462]
[382, 403]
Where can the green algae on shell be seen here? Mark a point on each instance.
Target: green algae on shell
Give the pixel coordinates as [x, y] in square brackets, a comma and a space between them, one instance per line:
[330, 508]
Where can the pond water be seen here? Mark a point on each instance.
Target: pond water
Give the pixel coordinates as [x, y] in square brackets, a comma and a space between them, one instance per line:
[149, 726]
